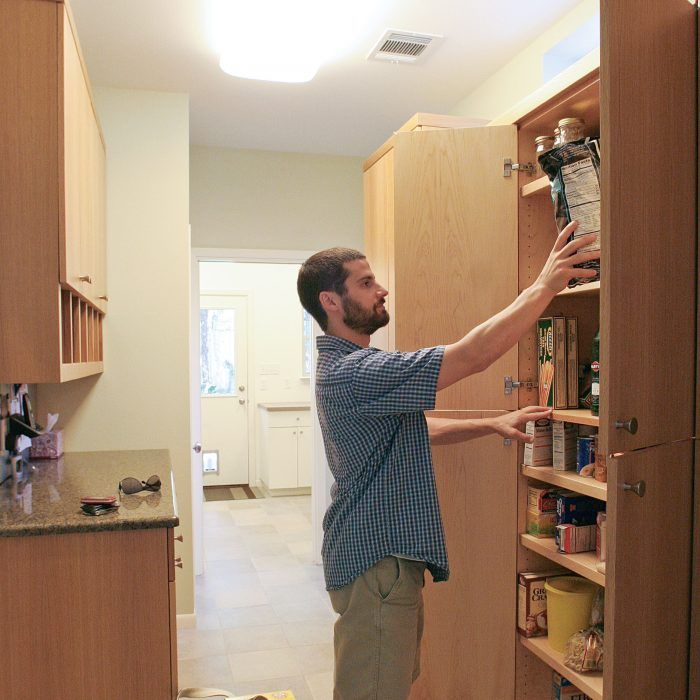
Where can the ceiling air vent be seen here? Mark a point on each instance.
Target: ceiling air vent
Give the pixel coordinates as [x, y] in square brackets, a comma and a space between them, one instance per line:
[403, 47]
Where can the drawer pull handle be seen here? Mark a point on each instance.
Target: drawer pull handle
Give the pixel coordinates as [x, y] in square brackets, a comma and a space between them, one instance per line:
[180, 538]
[178, 562]
[104, 297]
[640, 488]
[85, 278]
[630, 425]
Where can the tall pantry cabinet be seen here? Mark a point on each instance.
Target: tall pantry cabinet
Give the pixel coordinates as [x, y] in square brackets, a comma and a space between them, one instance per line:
[52, 195]
[457, 241]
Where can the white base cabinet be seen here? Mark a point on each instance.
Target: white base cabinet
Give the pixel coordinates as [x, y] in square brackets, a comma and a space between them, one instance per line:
[285, 446]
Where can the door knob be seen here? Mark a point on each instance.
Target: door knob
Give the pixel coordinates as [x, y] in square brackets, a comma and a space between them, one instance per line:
[640, 488]
[630, 425]
[197, 447]
[241, 388]
[241, 401]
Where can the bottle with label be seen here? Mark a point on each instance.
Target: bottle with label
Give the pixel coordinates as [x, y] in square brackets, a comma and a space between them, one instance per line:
[595, 374]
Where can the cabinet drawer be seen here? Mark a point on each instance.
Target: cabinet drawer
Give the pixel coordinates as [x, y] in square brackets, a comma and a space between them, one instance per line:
[286, 419]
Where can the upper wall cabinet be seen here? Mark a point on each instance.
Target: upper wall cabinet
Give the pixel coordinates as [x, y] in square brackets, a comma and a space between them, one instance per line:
[52, 195]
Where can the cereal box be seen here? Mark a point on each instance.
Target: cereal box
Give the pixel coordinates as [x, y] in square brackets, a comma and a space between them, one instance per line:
[540, 524]
[539, 452]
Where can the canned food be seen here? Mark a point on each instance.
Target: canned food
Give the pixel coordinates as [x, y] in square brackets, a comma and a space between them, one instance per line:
[585, 452]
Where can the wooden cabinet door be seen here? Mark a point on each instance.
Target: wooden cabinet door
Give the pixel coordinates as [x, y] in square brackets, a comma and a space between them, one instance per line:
[281, 455]
[469, 637]
[378, 183]
[649, 568]
[456, 247]
[648, 137]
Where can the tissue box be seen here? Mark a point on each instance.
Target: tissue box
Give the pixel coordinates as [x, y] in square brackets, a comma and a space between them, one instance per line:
[47, 446]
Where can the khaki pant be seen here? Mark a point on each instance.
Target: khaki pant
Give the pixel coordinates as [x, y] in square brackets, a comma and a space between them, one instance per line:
[377, 636]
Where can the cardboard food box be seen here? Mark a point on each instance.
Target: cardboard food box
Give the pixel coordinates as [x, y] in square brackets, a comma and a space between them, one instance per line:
[539, 452]
[540, 524]
[572, 362]
[47, 446]
[564, 445]
[573, 539]
[543, 500]
[532, 602]
[564, 689]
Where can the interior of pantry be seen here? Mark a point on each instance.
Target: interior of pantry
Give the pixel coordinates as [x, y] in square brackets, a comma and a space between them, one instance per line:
[536, 232]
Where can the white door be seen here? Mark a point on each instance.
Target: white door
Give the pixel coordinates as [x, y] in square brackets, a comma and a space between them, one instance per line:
[224, 388]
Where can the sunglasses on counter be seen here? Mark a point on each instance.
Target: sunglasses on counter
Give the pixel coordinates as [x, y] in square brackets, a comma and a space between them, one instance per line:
[131, 485]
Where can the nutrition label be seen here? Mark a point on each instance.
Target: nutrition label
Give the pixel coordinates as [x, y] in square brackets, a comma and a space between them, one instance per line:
[582, 191]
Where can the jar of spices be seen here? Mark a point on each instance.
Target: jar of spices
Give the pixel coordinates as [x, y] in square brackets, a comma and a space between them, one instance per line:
[571, 129]
[601, 469]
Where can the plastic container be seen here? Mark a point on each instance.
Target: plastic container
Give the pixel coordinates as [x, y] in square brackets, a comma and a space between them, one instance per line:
[569, 602]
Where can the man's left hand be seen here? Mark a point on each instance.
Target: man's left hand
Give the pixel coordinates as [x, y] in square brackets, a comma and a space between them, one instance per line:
[512, 424]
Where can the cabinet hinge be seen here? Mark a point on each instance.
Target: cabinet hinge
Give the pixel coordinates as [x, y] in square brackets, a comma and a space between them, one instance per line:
[510, 384]
[509, 166]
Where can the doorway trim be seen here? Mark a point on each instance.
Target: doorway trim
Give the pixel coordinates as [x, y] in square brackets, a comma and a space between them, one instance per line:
[321, 480]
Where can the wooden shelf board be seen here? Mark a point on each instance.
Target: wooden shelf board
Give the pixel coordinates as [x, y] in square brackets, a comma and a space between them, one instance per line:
[589, 683]
[590, 289]
[569, 480]
[582, 416]
[77, 370]
[582, 564]
[539, 186]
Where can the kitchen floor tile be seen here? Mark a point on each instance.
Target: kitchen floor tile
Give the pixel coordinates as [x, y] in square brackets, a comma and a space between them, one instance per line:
[196, 644]
[210, 671]
[296, 684]
[259, 638]
[321, 685]
[259, 665]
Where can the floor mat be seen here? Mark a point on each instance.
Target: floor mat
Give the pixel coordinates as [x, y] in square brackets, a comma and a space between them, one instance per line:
[230, 493]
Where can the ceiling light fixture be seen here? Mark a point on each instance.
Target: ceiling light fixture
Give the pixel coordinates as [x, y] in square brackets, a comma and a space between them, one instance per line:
[286, 40]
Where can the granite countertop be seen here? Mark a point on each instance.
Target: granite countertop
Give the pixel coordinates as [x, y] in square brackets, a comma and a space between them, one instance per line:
[286, 406]
[48, 501]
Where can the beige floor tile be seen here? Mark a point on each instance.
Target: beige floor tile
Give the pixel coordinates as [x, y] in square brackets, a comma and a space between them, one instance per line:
[299, 593]
[258, 665]
[247, 617]
[240, 597]
[314, 658]
[257, 529]
[220, 550]
[296, 684]
[227, 566]
[212, 583]
[303, 547]
[211, 671]
[271, 563]
[309, 632]
[285, 577]
[321, 685]
[260, 638]
[253, 516]
[311, 610]
[196, 644]
[207, 621]
[268, 549]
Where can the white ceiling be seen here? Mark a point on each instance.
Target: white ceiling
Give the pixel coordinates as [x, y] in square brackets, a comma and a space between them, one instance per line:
[351, 105]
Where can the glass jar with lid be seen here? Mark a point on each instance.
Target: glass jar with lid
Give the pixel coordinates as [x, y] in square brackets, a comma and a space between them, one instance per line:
[557, 137]
[571, 129]
[543, 144]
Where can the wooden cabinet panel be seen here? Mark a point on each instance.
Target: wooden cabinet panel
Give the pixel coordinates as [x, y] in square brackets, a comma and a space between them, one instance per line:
[51, 195]
[469, 638]
[455, 247]
[281, 458]
[649, 558]
[378, 184]
[648, 131]
[94, 609]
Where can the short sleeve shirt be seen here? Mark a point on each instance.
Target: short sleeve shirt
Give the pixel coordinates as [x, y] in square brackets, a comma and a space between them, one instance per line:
[370, 406]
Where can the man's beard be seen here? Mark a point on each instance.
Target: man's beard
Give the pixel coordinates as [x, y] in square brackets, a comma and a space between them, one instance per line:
[361, 320]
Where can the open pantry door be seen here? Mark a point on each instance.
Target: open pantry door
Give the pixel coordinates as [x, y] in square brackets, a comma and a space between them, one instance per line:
[456, 247]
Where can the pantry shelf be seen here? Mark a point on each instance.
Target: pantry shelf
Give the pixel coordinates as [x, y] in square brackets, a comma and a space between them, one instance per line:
[539, 186]
[581, 416]
[588, 290]
[582, 564]
[589, 683]
[569, 480]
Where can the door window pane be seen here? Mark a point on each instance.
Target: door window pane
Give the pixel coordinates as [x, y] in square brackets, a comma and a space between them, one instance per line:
[217, 351]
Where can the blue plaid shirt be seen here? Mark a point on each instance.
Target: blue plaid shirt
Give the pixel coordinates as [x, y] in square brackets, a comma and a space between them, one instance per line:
[370, 406]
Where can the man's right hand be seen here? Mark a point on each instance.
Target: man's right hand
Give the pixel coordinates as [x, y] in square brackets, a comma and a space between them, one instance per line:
[559, 269]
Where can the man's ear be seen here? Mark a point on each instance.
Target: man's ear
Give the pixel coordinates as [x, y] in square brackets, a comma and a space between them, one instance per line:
[330, 301]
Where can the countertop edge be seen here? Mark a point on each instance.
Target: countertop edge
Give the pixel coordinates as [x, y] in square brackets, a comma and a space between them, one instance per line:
[90, 526]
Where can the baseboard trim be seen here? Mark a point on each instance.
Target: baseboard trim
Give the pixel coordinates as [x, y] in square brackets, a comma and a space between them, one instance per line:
[187, 622]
